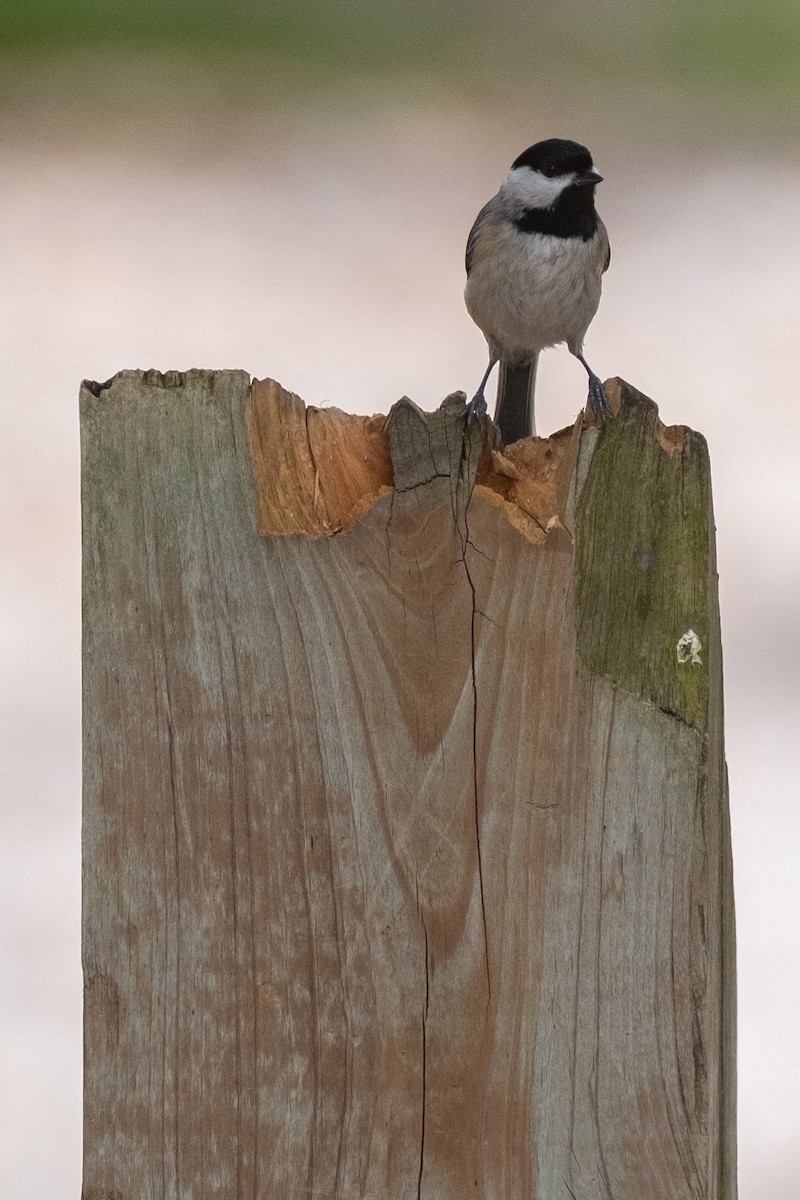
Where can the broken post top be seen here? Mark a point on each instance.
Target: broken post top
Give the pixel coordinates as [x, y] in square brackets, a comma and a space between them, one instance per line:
[643, 516]
[632, 501]
[319, 470]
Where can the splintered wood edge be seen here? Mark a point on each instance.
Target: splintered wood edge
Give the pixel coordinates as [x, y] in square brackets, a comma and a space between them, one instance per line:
[319, 471]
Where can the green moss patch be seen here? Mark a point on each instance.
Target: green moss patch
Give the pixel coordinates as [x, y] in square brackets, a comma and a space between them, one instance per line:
[643, 560]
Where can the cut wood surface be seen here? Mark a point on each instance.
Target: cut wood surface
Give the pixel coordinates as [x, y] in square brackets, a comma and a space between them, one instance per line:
[406, 850]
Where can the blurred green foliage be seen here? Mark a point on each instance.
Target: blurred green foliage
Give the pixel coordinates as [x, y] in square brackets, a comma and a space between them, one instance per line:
[708, 42]
[320, 30]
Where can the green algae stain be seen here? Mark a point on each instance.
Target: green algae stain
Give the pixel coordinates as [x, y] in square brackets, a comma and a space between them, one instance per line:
[643, 561]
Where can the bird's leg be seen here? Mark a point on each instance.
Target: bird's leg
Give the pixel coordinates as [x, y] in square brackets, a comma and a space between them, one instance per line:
[477, 405]
[598, 401]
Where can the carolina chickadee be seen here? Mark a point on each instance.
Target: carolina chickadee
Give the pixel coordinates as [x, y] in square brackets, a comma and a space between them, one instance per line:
[535, 259]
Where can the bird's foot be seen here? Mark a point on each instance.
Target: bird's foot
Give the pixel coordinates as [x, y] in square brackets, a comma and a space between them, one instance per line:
[476, 406]
[598, 401]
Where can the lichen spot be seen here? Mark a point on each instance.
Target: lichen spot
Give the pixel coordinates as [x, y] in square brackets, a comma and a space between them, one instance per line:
[689, 647]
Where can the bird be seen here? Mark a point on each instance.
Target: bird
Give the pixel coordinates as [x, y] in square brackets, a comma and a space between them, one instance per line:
[535, 259]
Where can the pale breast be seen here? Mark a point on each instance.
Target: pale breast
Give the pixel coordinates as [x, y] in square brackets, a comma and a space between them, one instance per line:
[530, 291]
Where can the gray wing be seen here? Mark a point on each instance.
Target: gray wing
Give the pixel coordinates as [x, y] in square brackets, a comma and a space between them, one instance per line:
[486, 211]
[604, 239]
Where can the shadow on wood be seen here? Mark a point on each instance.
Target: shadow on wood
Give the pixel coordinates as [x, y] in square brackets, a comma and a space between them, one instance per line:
[406, 851]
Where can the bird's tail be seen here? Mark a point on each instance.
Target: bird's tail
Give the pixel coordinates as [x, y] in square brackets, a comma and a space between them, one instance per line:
[513, 413]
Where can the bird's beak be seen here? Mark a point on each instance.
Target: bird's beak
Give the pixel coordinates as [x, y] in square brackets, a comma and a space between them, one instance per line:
[589, 178]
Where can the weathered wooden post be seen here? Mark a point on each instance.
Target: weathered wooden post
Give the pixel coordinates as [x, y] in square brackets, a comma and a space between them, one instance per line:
[406, 851]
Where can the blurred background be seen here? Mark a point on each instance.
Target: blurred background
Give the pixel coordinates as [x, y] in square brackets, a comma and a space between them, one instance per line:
[287, 188]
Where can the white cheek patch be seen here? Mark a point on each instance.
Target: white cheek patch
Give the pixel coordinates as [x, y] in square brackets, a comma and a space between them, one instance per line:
[531, 189]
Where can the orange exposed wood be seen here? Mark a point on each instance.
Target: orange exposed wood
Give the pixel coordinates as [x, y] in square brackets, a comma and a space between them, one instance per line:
[318, 471]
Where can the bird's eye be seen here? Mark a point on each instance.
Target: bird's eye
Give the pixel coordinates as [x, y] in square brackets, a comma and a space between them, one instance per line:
[549, 169]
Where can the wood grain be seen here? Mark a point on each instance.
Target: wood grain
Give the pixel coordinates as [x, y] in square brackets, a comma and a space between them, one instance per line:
[399, 881]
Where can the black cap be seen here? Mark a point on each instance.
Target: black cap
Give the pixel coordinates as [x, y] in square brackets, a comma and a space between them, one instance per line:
[554, 157]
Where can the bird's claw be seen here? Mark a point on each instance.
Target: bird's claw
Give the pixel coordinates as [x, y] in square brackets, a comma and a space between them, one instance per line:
[476, 406]
[598, 401]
